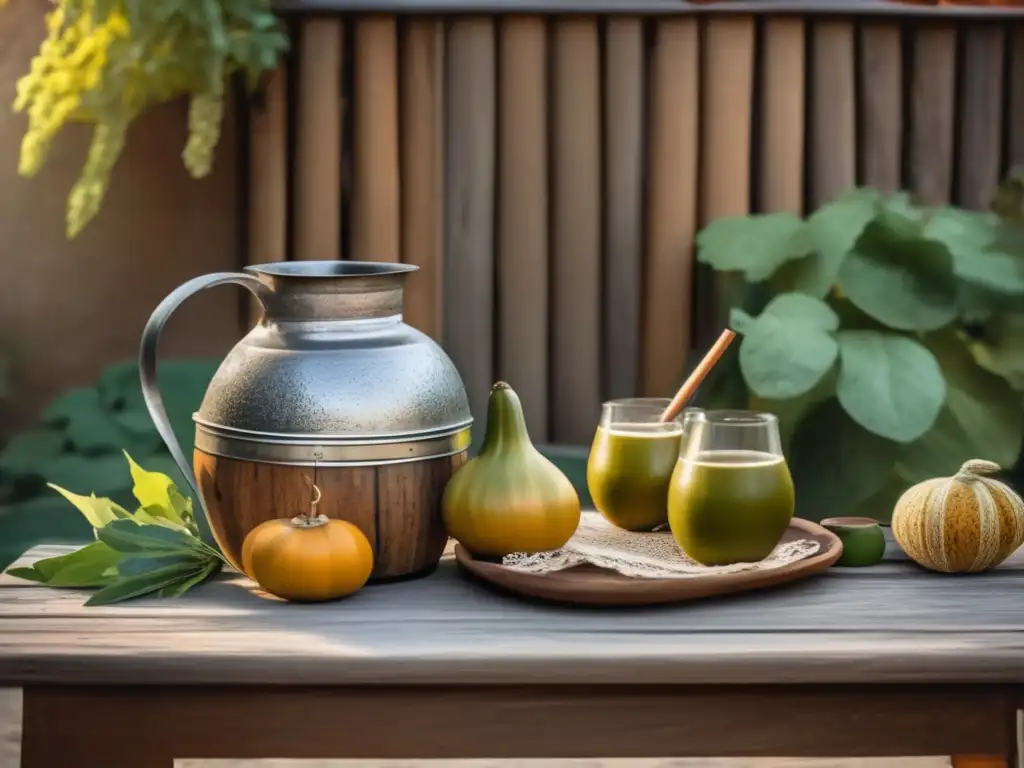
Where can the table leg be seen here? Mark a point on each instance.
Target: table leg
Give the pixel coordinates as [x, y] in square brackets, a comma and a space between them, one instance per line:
[11, 706]
[1014, 760]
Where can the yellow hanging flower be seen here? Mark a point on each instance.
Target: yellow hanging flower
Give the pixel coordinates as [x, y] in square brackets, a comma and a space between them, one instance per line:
[99, 67]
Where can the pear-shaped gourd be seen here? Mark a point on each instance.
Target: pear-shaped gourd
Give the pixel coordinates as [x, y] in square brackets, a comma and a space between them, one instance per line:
[961, 524]
[509, 498]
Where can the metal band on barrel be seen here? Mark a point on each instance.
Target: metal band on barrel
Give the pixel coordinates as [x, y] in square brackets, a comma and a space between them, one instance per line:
[328, 450]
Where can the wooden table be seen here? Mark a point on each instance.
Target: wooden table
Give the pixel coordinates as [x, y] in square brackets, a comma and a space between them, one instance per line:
[884, 661]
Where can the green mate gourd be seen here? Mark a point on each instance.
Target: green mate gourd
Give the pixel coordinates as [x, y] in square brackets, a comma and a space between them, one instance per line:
[510, 498]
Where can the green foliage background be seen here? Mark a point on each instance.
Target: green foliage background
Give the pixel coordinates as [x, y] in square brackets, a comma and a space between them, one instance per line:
[79, 445]
[888, 338]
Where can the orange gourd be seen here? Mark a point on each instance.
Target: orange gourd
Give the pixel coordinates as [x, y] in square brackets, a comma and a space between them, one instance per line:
[309, 558]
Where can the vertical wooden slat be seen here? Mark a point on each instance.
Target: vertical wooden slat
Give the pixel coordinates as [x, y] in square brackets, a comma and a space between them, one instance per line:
[727, 103]
[576, 274]
[268, 177]
[623, 204]
[833, 141]
[981, 111]
[522, 217]
[672, 205]
[782, 116]
[1015, 123]
[881, 104]
[422, 185]
[932, 108]
[469, 208]
[375, 199]
[318, 142]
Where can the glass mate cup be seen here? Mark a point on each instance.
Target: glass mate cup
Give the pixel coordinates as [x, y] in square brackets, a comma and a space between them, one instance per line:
[631, 462]
[731, 495]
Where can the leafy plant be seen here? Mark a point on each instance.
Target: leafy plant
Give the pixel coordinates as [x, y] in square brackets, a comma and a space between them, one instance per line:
[157, 548]
[79, 444]
[105, 61]
[888, 338]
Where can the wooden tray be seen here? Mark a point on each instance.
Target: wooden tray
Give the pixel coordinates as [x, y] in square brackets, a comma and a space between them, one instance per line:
[590, 585]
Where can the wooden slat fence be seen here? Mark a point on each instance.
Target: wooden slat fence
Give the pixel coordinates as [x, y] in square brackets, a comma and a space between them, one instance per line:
[548, 174]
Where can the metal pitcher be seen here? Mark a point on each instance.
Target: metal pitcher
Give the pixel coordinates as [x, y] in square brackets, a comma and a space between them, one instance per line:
[333, 388]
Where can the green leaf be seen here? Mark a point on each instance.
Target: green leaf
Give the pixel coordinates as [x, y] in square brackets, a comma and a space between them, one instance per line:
[789, 347]
[891, 385]
[901, 205]
[973, 240]
[142, 517]
[126, 588]
[901, 216]
[118, 387]
[740, 321]
[976, 305]
[166, 465]
[26, 453]
[157, 493]
[28, 574]
[70, 403]
[94, 565]
[982, 418]
[836, 463]
[754, 245]
[129, 537]
[830, 235]
[723, 389]
[137, 423]
[904, 282]
[791, 412]
[97, 510]
[94, 432]
[1001, 348]
[136, 565]
[183, 586]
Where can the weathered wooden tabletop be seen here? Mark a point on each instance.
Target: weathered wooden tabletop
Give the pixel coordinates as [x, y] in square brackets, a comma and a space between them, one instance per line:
[892, 623]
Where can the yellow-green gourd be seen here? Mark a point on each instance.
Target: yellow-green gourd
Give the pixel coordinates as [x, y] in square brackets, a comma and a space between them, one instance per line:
[509, 498]
[961, 524]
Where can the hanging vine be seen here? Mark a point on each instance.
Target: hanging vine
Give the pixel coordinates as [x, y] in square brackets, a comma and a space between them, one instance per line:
[105, 61]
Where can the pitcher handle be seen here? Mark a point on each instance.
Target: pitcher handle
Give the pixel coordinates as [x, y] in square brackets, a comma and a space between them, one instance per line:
[147, 357]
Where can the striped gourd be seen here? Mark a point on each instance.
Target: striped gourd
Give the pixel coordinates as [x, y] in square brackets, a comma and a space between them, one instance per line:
[961, 524]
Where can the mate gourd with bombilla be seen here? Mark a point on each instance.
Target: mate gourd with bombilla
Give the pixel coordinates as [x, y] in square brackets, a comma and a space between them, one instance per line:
[731, 497]
[635, 450]
[330, 384]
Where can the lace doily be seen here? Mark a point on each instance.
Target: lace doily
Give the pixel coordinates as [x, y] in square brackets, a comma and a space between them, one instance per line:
[643, 555]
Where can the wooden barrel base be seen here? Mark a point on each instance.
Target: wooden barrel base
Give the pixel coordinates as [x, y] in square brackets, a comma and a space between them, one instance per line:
[380, 581]
[397, 506]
